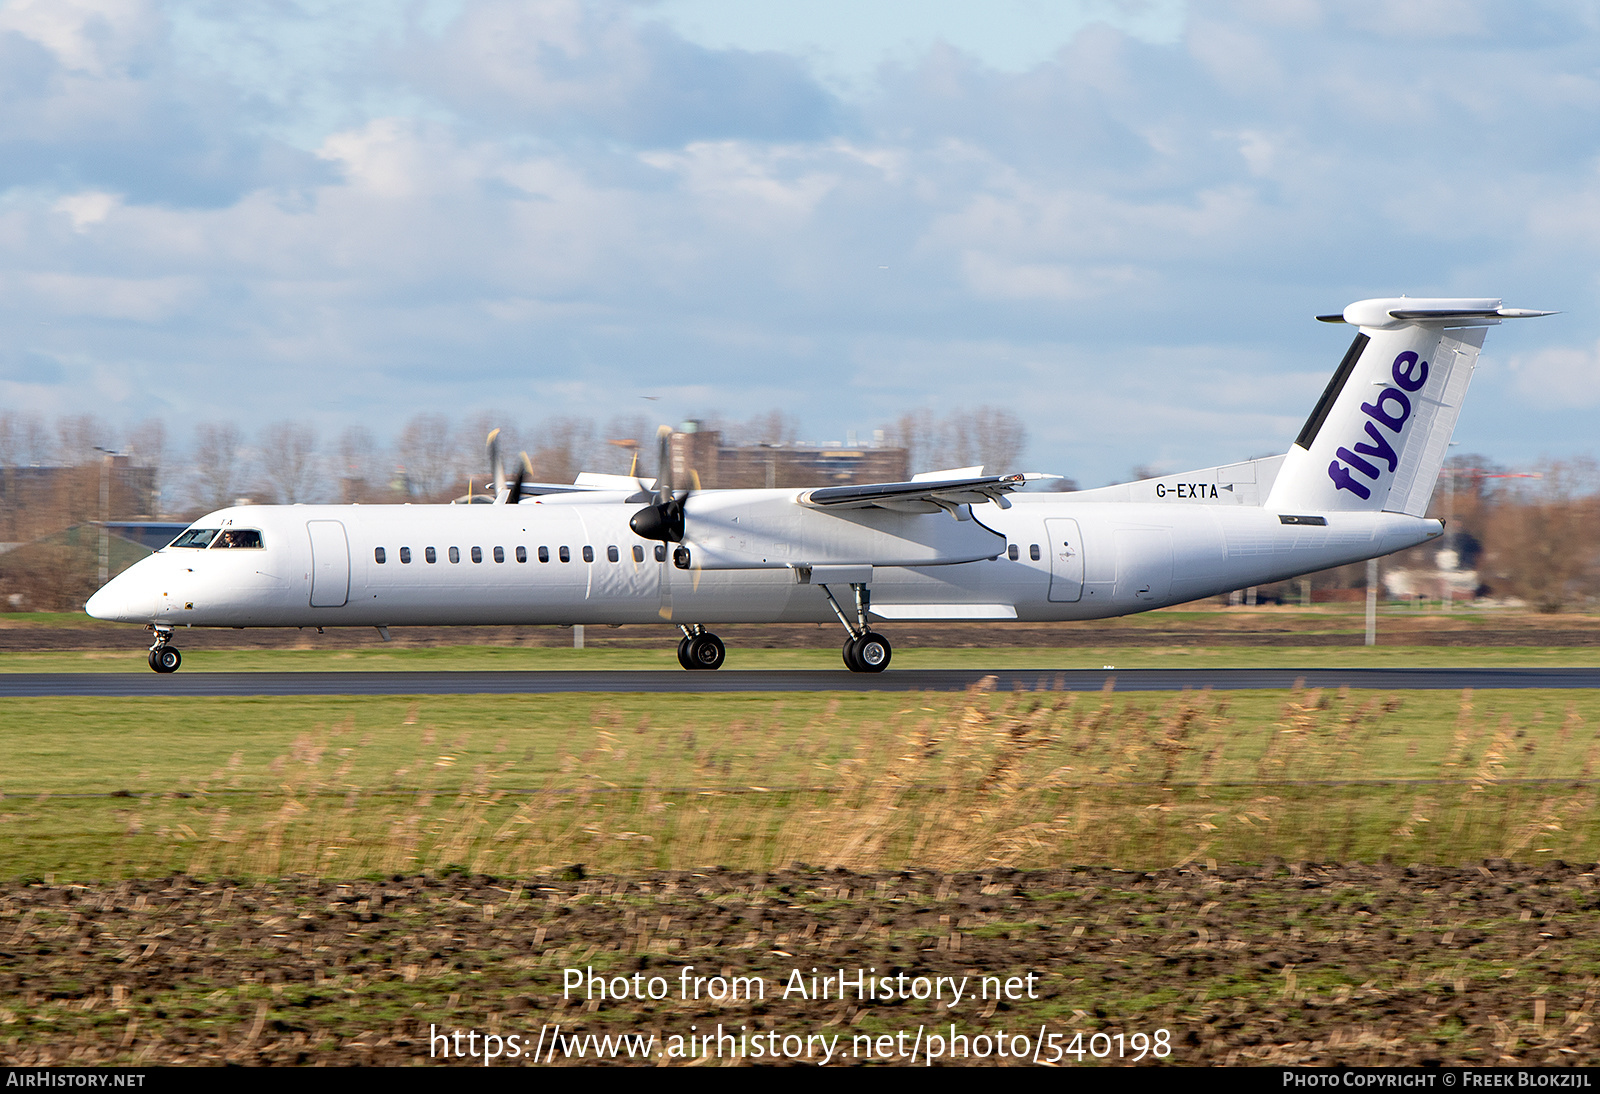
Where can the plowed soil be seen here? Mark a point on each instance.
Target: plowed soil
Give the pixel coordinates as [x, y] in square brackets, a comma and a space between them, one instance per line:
[1495, 964]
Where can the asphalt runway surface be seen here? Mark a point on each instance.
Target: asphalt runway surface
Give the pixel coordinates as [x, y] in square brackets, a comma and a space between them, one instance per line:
[20, 684]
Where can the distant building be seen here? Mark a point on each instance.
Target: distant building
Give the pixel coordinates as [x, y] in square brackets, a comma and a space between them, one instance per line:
[700, 453]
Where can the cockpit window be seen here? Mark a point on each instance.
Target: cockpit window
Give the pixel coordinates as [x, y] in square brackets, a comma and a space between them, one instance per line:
[194, 537]
[238, 537]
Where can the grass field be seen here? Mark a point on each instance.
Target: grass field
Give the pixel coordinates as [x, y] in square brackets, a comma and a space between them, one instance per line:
[348, 787]
[464, 658]
[298, 881]
[325, 880]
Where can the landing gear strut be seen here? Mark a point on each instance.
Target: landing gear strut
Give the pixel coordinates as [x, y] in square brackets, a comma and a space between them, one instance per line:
[164, 657]
[700, 649]
[865, 650]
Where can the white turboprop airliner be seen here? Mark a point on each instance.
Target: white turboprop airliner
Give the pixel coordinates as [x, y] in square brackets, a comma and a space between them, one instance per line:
[950, 546]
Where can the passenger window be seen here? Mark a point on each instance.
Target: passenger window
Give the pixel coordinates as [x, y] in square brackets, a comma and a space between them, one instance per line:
[405, 555]
[588, 554]
[566, 555]
[1011, 552]
[499, 554]
[661, 552]
[477, 554]
[544, 554]
[238, 537]
[431, 555]
[611, 553]
[522, 554]
[377, 553]
[1033, 552]
[455, 554]
[638, 553]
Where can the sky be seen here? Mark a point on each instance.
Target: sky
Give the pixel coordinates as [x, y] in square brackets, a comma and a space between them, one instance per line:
[1116, 218]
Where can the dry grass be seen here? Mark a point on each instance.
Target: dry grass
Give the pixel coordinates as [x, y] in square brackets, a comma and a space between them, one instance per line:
[1025, 780]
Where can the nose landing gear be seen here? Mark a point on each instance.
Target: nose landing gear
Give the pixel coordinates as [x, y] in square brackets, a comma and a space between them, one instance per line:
[164, 657]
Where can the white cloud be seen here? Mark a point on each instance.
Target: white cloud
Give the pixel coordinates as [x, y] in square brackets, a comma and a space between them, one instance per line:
[97, 38]
[86, 209]
[1559, 377]
[558, 206]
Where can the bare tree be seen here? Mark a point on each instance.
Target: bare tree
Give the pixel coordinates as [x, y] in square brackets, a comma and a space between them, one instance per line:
[997, 438]
[360, 469]
[773, 427]
[624, 436]
[289, 464]
[1542, 539]
[427, 451]
[80, 437]
[10, 438]
[218, 464]
[33, 441]
[561, 448]
[918, 433]
[985, 435]
[147, 448]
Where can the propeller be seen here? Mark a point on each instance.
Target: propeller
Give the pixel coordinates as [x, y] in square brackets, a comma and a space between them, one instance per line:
[663, 519]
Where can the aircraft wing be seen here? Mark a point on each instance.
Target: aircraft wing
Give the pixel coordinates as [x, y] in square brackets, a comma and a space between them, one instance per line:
[917, 497]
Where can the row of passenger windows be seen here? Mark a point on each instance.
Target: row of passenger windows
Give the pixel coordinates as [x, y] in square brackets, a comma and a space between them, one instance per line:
[430, 554]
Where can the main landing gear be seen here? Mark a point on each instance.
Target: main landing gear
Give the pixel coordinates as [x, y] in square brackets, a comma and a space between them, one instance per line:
[164, 657]
[865, 650]
[700, 649]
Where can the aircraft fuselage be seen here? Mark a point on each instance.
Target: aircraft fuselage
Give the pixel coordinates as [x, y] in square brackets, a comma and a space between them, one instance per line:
[577, 562]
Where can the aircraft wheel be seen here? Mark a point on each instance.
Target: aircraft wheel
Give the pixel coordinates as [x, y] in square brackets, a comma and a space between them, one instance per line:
[873, 652]
[850, 661]
[165, 659]
[706, 651]
[683, 652]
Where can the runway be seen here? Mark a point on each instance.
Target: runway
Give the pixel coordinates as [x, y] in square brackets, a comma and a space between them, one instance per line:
[132, 684]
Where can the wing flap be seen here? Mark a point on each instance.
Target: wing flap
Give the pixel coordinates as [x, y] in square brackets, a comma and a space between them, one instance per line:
[912, 496]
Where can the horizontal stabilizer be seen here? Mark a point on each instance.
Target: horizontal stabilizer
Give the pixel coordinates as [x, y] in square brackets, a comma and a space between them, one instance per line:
[1390, 313]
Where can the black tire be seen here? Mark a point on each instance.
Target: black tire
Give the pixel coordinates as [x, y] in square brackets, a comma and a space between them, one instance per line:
[166, 659]
[706, 651]
[872, 652]
[850, 661]
[683, 652]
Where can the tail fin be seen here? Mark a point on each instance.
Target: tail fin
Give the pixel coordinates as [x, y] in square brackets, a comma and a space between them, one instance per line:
[1379, 434]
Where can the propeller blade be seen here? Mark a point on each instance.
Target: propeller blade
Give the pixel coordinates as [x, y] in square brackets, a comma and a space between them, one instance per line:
[497, 468]
[514, 496]
[664, 463]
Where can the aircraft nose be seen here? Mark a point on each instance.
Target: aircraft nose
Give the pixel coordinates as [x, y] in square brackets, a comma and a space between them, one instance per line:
[120, 601]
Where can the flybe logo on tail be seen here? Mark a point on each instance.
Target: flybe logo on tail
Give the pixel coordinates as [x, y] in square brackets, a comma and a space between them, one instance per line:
[1391, 409]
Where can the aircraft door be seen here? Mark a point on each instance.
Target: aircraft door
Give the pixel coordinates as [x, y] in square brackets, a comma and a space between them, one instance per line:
[1066, 560]
[330, 564]
[1144, 565]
